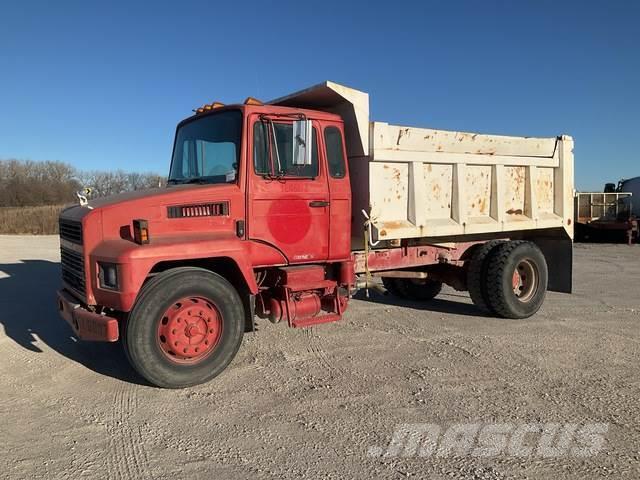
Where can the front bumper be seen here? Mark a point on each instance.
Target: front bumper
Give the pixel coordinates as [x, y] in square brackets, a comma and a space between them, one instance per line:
[87, 325]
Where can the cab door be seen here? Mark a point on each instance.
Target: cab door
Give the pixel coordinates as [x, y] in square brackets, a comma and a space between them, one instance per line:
[288, 204]
[340, 191]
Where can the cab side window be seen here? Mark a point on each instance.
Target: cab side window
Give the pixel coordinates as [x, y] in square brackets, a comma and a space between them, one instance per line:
[335, 152]
[261, 161]
[277, 161]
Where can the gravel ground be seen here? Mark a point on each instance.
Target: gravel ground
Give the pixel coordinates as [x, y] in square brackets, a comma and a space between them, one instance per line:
[315, 403]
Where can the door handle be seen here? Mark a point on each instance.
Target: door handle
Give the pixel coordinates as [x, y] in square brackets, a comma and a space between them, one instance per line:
[319, 203]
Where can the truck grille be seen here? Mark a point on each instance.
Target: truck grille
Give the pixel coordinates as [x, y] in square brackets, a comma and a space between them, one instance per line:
[73, 269]
[71, 230]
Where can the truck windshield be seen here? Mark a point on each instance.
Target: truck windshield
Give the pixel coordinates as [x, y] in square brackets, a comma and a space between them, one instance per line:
[207, 150]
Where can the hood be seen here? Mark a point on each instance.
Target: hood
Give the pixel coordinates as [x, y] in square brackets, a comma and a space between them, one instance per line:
[140, 200]
[128, 196]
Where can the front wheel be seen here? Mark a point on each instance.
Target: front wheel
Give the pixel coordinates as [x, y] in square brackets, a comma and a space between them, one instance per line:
[517, 279]
[185, 328]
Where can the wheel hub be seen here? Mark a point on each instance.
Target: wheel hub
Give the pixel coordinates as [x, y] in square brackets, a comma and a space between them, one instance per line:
[525, 280]
[189, 330]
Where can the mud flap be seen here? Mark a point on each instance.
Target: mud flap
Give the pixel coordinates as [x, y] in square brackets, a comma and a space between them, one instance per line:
[557, 248]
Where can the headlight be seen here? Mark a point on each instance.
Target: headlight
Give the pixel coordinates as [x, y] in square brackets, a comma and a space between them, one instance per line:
[108, 275]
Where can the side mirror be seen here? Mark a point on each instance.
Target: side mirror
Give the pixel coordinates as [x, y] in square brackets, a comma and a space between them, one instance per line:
[302, 142]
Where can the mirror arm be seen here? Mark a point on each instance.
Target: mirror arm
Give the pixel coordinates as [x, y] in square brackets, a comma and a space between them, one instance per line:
[275, 144]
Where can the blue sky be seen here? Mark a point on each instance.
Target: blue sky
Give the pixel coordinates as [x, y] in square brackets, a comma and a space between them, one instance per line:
[101, 85]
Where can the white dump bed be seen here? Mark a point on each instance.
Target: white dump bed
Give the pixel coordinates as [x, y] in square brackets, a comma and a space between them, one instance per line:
[419, 182]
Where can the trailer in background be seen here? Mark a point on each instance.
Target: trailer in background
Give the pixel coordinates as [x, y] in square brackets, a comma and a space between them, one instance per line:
[605, 216]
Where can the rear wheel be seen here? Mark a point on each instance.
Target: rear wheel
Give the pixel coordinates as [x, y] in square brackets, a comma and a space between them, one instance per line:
[185, 328]
[477, 274]
[517, 279]
[391, 286]
[413, 288]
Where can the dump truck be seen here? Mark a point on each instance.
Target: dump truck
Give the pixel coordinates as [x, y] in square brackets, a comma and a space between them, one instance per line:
[283, 210]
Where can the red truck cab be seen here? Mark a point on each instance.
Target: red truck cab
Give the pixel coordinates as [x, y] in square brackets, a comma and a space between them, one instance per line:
[237, 206]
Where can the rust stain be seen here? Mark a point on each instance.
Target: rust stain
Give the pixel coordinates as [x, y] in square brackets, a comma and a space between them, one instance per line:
[392, 225]
[401, 133]
[517, 173]
[483, 205]
[437, 190]
[383, 233]
[511, 211]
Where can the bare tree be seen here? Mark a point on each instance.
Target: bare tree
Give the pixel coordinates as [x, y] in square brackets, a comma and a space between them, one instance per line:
[28, 183]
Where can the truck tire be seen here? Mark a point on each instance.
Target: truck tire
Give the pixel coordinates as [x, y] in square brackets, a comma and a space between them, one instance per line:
[477, 274]
[413, 288]
[390, 285]
[517, 279]
[185, 328]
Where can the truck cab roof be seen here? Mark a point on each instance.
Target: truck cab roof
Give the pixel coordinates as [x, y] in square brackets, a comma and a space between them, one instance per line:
[268, 109]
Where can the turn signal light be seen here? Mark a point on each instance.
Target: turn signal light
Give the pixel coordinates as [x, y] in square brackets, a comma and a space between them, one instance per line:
[141, 232]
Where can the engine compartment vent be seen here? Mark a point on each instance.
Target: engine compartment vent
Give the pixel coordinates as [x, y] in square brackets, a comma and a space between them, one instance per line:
[201, 210]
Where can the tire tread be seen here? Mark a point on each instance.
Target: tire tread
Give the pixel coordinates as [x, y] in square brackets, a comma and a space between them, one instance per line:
[476, 275]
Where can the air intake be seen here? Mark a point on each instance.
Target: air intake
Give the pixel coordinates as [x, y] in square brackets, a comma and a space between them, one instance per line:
[203, 210]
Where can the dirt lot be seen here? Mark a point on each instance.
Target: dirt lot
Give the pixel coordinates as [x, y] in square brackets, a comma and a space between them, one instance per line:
[311, 403]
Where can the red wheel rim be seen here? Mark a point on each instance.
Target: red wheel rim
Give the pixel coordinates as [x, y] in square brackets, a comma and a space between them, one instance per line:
[189, 330]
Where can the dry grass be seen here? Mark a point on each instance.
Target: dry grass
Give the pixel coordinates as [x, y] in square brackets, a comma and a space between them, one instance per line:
[30, 220]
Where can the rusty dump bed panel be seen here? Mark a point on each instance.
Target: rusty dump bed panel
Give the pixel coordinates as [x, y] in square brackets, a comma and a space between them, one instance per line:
[425, 182]
[420, 182]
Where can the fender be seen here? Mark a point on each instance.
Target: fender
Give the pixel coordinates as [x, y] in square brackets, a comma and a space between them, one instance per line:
[135, 262]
